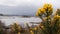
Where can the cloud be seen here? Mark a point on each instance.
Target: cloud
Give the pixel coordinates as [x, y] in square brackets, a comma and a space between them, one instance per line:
[13, 2]
[27, 2]
[25, 7]
[8, 2]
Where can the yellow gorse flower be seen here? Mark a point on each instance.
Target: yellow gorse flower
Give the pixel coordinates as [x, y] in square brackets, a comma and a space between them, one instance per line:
[56, 17]
[19, 28]
[38, 12]
[50, 9]
[47, 6]
[42, 10]
[18, 32]
[42, 26]
[46, 9]
[31, 32]
[35, 28]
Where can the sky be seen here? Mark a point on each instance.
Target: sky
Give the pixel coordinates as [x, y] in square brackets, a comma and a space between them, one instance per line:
[25, 7]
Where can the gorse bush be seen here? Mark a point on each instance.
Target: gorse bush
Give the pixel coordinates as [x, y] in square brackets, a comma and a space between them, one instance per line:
[47, 10]
[49, 24]
[16, 28]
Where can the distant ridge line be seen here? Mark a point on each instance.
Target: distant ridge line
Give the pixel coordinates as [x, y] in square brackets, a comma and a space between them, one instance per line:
[17, 15]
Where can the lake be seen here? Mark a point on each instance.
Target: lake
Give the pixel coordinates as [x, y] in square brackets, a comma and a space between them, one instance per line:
[18, 19]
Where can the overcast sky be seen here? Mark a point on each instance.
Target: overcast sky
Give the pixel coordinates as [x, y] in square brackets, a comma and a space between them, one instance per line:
[24, 7]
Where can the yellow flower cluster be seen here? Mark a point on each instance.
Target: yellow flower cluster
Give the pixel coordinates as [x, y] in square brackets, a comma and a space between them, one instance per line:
[35, 28]
[56, 17]
[31, 32]
[44, 9]
[40, 11]
[18, 32]
[47, 6]
[42, 26]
